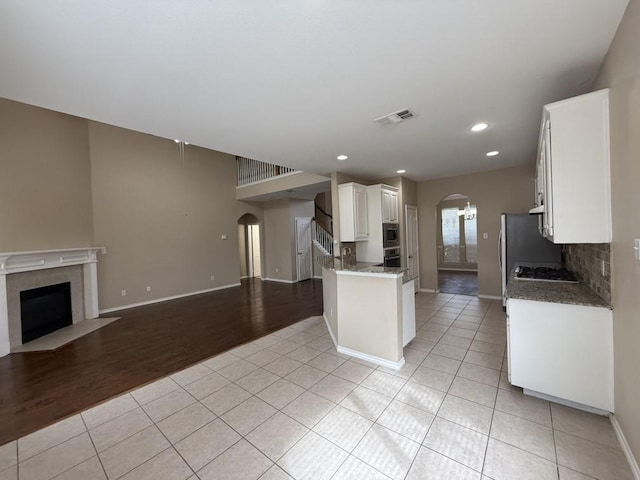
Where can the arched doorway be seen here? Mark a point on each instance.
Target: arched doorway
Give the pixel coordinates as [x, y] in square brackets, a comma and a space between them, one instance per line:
[249, 242]
[457, 245]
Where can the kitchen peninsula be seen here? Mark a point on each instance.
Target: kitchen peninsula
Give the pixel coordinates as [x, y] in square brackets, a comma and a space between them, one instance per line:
[370, 310]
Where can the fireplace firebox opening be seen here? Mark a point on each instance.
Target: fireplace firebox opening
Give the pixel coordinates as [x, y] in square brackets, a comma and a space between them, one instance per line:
[44, 310]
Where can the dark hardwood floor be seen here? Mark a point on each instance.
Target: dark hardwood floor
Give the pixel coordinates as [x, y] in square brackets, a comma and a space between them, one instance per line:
[37, 389]
[460, 283]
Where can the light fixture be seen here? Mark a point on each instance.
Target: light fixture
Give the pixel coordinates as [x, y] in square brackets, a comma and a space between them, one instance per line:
[176, 140]
[401, 171]
[492, 153]
[478, 127]
[342, 157]
[469, 213]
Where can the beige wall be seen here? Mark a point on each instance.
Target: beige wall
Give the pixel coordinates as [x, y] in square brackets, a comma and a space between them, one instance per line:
[45, 187]
[162, 219]
[277, 240]
[621, 73]
[280, 236]
[507, 190]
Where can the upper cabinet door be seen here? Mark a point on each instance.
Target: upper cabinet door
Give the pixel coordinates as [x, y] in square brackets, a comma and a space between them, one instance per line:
[574, 170]
[389, 206]
[354, 221]
[362, 214]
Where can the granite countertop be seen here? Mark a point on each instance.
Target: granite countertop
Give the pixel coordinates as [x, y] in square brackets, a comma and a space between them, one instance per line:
[362, 267]
[554, 292]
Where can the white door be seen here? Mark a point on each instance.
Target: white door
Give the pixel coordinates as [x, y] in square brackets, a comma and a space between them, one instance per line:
[256, 261]
[303, 248]
[413, 264]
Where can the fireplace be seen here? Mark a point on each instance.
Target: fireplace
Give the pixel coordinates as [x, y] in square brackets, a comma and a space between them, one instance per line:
[44, 310]
[33, 270]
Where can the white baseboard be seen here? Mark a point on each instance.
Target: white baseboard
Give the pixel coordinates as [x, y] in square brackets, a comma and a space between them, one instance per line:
[319, 277]
[429, 290]
[279, 280]
[362, 356]
[5, 349]
[164, 299]
[458, 270]
[244, 276]
[370, 358]
[490, 297]
[633, 464]
[331, 334]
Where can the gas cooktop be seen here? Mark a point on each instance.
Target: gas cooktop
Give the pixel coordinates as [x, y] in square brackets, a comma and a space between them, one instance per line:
[545, 274]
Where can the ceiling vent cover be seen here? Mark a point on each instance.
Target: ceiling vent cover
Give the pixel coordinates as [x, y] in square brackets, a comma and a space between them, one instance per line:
[395, 117]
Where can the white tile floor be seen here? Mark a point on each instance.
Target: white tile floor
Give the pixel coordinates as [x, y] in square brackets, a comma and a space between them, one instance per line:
[289, 406]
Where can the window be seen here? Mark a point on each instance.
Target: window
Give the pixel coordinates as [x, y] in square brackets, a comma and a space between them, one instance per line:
[459, 236]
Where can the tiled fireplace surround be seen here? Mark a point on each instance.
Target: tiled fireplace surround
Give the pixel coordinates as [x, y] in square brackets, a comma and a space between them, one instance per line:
[26, 270]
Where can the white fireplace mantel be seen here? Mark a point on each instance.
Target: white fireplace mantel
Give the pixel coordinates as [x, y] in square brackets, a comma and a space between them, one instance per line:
[16, 262]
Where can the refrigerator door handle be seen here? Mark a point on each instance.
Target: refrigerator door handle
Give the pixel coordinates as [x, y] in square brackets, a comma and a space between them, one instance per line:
[500, 240]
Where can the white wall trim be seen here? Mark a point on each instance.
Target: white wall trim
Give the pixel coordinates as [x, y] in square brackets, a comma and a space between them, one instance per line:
[370, 358]
[429, 290]
[319, 277]
[333, 337]
[279, 280]
[244, 276]
[164, 299]
[276, 177]
[633, 464]
[490, 297]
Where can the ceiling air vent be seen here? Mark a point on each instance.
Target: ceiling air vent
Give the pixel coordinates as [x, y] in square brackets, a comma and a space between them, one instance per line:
[395, 117]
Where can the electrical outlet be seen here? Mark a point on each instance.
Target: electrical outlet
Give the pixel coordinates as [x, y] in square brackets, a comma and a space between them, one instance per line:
[223, 237]
[277, 269]
[123, 293]
[148, 288]
[485, 236]
[213, 277]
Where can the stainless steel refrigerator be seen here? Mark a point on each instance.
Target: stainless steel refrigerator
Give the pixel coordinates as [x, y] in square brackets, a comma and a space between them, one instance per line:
[520, 242]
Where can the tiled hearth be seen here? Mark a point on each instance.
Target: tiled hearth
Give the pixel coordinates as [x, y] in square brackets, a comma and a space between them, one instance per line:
[289, 406]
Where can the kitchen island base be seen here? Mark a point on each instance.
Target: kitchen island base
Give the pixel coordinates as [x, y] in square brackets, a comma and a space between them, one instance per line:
[366, 315]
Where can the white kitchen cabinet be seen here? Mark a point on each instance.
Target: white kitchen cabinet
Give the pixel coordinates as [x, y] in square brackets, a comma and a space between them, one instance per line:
[561, 350]
[383, 208]
[389, 199]
[573, 184]
[354, 212]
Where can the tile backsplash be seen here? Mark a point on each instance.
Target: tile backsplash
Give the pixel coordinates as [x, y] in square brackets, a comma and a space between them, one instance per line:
[586, 260]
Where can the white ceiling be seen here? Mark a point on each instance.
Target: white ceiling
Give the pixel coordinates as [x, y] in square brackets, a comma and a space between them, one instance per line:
[296, 82]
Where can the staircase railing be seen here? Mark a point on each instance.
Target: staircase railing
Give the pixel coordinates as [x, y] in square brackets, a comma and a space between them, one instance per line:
[323, 218]
[322, 238]
[252, 171]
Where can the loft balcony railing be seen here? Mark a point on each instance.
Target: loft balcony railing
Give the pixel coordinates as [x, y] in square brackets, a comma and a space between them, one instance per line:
[253, 171]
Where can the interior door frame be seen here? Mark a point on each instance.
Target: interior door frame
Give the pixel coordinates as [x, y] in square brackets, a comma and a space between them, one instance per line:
[298, 264]
[416, 279]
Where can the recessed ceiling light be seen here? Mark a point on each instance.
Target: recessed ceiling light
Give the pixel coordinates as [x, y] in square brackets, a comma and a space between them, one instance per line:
[401, 171]
[492, 153]
[342, 157]
[478, 127]
[176, 140]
